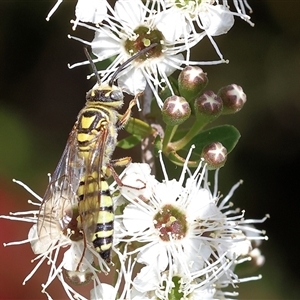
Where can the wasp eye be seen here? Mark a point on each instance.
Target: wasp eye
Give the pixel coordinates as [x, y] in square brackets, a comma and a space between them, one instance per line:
[116, 95]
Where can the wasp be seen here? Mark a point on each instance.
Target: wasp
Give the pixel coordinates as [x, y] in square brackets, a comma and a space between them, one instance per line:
[78, 195]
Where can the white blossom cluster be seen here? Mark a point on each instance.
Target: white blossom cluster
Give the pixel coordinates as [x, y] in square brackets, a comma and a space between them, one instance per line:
[173, 240]
[132, 25]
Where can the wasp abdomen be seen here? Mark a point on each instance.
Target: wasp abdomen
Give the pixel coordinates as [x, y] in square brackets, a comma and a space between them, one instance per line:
[96, 207]
[103, 236]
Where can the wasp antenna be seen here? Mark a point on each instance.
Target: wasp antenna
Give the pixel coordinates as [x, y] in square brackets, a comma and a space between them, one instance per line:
[122, 66]
[87, 54]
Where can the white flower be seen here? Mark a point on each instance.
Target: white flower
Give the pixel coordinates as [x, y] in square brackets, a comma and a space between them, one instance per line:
[77, 265]
[150, 283]
[219, 15]
[214, 19]
[181, 228]
[132, 28]
[166, 234]
[208, 15]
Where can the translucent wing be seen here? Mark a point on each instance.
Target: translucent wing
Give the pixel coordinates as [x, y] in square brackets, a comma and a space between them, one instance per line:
[60, 196]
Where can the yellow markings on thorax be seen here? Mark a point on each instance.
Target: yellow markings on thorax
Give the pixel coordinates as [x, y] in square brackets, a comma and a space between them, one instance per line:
[91, 124]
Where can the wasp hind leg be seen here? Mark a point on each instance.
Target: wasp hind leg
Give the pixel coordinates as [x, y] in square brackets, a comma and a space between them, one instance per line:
[121, 162]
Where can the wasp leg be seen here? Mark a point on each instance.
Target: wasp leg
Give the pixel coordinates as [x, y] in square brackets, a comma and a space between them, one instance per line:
[123, 119]
[121, 162]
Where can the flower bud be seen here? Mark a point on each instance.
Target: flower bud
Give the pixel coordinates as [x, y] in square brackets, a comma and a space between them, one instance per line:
[191, 81]
[215, 155]
[233, 98]
[208, 106]
[175, 110]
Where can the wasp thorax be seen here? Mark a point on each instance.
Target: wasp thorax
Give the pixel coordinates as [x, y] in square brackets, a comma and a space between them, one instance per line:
[171, 223]
[145, 37]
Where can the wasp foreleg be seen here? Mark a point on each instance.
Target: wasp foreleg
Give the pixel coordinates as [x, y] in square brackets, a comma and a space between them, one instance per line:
[123, 119]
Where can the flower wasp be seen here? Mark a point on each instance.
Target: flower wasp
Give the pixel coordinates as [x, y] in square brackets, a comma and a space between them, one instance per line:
[77, 197]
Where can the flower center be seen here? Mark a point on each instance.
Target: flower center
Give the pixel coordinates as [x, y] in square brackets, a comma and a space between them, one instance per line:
[145, 38]
[170, 221]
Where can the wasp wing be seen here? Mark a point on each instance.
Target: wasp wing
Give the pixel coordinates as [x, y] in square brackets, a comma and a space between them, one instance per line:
[60, 196]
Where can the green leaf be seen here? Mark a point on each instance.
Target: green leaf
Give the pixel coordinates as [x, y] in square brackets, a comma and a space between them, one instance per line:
[129, 142]
[138, 127]
[138, 130]
[228, 135]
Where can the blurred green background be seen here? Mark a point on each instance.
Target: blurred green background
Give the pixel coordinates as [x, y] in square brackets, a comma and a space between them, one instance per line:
[40, 98]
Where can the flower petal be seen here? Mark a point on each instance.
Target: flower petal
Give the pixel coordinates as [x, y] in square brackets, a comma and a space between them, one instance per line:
[94, 11]
[217, 20]
[131, 215]
[103, 292]
[40, 243]
[132, 81]
[105, 45]
[130, 12]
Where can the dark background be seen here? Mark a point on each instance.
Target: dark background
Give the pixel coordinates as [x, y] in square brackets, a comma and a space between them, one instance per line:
[40, 98]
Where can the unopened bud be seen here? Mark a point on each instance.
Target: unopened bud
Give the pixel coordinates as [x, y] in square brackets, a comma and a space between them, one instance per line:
[233, 98]
[191, 81]
[215, 155]
[208, 106]
[175, 110]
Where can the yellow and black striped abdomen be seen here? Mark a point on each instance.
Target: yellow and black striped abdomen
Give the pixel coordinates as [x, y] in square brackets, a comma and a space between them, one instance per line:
[103, 236]
[96, 213]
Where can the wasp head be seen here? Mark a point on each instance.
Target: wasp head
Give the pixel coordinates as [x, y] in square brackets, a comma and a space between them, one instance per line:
[106, 95]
